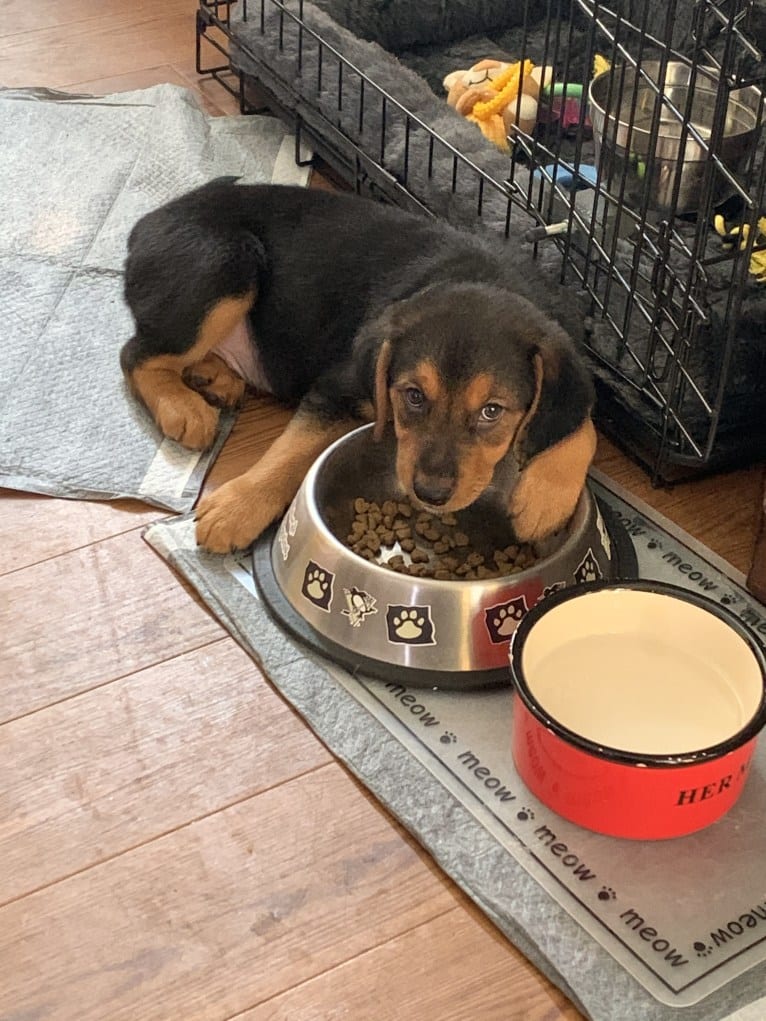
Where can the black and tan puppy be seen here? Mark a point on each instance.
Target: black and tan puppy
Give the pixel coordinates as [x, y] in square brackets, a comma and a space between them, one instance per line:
[353, 310]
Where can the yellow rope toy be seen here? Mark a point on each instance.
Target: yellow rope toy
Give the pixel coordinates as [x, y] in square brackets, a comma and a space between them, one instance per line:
[507, 86]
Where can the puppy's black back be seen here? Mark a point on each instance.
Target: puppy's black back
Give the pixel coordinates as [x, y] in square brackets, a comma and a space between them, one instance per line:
[322, 264]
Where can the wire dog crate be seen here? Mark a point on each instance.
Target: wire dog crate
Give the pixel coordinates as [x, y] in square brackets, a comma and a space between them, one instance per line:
[642, 186]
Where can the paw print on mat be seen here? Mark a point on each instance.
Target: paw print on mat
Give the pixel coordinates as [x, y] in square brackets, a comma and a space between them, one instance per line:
[588, 569]
[317, 585]
[410, 625]
[501, 619]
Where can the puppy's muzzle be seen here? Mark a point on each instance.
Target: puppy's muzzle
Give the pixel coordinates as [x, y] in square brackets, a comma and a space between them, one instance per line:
[435, 490]
[435, 479]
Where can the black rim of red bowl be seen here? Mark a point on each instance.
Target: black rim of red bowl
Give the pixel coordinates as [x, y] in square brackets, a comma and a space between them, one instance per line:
[521, 688]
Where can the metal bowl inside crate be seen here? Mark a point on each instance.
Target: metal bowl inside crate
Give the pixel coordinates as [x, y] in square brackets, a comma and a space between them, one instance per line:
[622, 133]
[419, 631]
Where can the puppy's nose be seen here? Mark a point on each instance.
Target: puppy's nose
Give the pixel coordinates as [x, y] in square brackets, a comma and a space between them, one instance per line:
[434, 489]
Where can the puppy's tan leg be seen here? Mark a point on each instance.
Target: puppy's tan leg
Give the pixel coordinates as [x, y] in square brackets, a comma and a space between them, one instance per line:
[549, 487]
[180, 413]
[215, 381]
[235, 515]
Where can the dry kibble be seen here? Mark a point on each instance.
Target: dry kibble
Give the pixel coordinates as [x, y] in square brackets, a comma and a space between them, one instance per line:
[435, 545]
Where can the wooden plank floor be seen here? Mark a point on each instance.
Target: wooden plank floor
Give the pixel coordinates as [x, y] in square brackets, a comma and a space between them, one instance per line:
[175, 844]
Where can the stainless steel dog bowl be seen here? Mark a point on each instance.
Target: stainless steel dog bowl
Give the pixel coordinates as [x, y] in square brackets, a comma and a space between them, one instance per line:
[448, 634]
[623, 103]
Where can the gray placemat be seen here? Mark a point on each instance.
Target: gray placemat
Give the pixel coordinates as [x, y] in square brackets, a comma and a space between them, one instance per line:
[631, 931]
[77, 174]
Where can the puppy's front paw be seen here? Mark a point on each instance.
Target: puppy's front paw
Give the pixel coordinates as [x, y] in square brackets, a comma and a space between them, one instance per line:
[232, 517]
[549, 487]
[533, 519]
[189, 421]
[538, 510]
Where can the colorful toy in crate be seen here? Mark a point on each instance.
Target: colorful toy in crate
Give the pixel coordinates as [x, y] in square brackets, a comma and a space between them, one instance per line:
[502, 97]
[498, 96]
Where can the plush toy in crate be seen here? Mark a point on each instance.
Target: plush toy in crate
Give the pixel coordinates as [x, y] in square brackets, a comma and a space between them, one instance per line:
[498, 96]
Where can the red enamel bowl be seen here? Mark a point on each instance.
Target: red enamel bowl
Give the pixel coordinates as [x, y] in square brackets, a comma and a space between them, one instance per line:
[637, 706]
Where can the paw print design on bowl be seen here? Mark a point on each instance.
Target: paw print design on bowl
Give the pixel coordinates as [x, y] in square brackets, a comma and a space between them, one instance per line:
[317, 585]
[410, 625]
[588, 569]
[502, 618]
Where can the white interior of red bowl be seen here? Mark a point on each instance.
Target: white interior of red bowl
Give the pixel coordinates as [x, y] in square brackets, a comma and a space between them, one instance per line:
[642, 672]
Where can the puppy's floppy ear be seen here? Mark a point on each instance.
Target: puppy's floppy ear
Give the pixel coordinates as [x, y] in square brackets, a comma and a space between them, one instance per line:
[382, 404]
[373, 353]
[562, 401]
[554, 443]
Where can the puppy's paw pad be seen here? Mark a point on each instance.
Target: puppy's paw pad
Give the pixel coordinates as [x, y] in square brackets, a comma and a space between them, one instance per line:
[192, 423]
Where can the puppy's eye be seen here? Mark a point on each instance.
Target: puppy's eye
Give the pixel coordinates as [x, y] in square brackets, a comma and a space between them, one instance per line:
[414, 397]
[491, 412]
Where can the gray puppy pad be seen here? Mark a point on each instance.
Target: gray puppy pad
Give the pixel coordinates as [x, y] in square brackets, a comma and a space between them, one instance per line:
[583, 915]
[78, 172]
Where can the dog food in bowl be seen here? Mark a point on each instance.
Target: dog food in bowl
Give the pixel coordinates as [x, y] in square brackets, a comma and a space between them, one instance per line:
[637, 707]
[402, 538]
